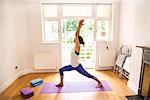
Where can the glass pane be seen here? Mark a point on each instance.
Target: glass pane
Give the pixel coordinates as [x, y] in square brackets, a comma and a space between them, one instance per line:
[69, 27]
[51, 31]
[103, 30]
[103, 10]
[77, 10]
[50, 11]
[87, 31]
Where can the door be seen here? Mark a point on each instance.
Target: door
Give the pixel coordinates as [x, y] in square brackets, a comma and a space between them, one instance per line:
[68, 29]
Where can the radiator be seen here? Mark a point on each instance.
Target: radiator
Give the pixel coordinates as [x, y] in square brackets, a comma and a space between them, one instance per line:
[106, 58]
[45, 60]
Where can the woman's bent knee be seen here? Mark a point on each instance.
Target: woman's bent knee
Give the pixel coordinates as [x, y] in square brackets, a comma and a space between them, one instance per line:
[61, 71]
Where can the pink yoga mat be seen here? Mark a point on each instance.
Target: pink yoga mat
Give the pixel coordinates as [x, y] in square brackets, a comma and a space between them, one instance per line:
[74, 86]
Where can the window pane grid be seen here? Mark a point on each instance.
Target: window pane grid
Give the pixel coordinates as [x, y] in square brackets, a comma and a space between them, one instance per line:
[53, 14]
[51, 30]
[104, 11]
[50, 10]
[103, 30]
[77, 10]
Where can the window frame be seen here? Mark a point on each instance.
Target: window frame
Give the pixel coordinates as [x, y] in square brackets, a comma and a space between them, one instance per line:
[97, 18]
[60, 17]
[78, 4]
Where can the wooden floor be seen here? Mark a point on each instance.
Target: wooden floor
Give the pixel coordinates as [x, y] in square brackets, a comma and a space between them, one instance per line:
[119, 86]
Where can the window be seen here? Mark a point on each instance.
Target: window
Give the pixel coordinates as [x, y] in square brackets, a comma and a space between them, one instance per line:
[104, 11]
[51, 31]
[50, 23]
[50, 10]
[103, 30]
[54, 17]
[69, 27]
[104, 22]
[77, 10]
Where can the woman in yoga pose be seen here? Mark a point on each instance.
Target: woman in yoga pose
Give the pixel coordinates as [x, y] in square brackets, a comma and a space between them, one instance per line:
[75, 65]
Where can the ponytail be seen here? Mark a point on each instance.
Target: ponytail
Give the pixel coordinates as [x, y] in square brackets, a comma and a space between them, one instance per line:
[81, 41]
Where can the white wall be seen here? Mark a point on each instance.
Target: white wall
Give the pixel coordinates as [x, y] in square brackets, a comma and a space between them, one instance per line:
[134, 19]
[134, 31]
[35, 34]
[13, 41]
[148, 26]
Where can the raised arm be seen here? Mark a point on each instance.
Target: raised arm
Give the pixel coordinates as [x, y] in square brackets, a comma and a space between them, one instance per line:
[79, 27]
[77, 44]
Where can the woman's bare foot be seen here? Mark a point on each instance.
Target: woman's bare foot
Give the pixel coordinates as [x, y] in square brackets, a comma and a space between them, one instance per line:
[99, 85]
[59, 85]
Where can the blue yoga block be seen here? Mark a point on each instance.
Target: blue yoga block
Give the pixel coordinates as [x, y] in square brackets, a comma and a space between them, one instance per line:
[36, 82]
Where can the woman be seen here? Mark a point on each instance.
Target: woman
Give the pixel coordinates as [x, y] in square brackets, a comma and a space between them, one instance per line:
[75, 65]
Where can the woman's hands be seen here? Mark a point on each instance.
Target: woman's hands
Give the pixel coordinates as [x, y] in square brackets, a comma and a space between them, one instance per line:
[81, 22]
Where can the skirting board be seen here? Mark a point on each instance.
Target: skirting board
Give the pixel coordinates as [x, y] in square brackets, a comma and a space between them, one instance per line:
[13, 78]
[132, 87]
[104, 68]
[24, 72]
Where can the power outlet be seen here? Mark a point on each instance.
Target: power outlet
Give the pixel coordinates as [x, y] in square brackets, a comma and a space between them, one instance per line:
[107, 47]
[16, 67]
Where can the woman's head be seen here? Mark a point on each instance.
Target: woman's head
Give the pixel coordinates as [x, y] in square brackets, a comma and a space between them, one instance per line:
[81, 41]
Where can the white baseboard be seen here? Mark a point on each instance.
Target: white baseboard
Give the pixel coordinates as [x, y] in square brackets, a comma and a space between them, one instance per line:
[23, 72]
[13, 78]
[104, 68]
[43, 71]
[132, 87]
